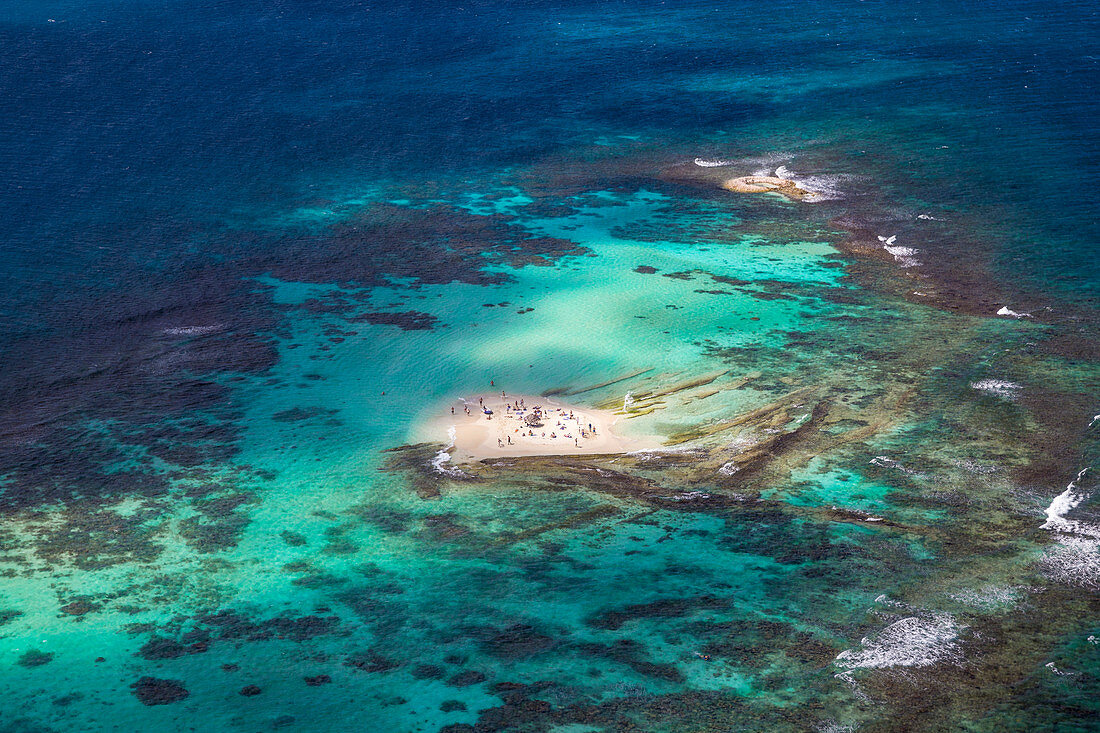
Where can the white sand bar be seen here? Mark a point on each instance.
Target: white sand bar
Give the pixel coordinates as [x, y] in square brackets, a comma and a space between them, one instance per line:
[512, 428]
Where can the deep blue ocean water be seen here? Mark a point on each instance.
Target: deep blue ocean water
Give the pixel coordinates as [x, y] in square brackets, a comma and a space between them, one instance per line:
[230, 229]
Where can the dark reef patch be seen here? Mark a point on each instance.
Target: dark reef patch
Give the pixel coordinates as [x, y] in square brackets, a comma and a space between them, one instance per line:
[443, 527]
[213, 535]
[434, 245]
[154, 691]
[631, 654]
[665, 608]
[293, 539]
[370, 661]
[517, 642]
[406, 321]
[195, 635]
[428, 672]
[162, 648]
[466, 678]
[34, 658]
[298, 414]
[729, 280]
[231, 625]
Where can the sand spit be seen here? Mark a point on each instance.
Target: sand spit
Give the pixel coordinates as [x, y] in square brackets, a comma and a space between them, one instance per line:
[492, 426]
[767, 184]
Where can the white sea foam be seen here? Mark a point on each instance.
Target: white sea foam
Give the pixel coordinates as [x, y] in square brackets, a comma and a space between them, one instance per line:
[1055, 670]
[821, 187]
[884, 462]
[830, 726]
[998, 387]
[904, 256]
[974, 467]
[728, 469]
[771, 160]
[193, 330]
[444, 455]
[889, 602]
[689, 496]
[742, 443]
[991, 597]
[865, 516]
[1095, 419]
[655, 453]
[1005, 311]
[1075, 559]
[911, 642]
[928, 217]
[704, 163]
[1066, 502]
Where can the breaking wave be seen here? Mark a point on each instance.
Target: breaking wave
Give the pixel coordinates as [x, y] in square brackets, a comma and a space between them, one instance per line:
[998, 387]
[911, 642]
[904, 256]
[444, 456]
[193, 330]
[1075, 559]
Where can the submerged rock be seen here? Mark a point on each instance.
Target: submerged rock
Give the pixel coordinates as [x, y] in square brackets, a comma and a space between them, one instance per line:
[35, 658]
[154, 691]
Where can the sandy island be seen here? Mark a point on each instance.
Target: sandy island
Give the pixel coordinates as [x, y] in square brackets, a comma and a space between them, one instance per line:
[492, 426]
[766, 184]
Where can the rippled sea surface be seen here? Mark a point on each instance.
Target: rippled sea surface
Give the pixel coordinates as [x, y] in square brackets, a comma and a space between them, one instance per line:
[253, 250]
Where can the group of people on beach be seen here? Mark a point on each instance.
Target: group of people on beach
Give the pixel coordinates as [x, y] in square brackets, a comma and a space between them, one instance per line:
[517, 409]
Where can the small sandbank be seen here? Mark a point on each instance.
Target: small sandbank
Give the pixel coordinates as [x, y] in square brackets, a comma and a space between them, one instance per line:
[492, 426]
[766, 184]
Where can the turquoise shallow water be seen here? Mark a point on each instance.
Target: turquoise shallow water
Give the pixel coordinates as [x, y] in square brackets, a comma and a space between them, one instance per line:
[256, 268]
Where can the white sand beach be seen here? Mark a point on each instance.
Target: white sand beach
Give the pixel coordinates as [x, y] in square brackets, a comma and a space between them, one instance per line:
[492, 425]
